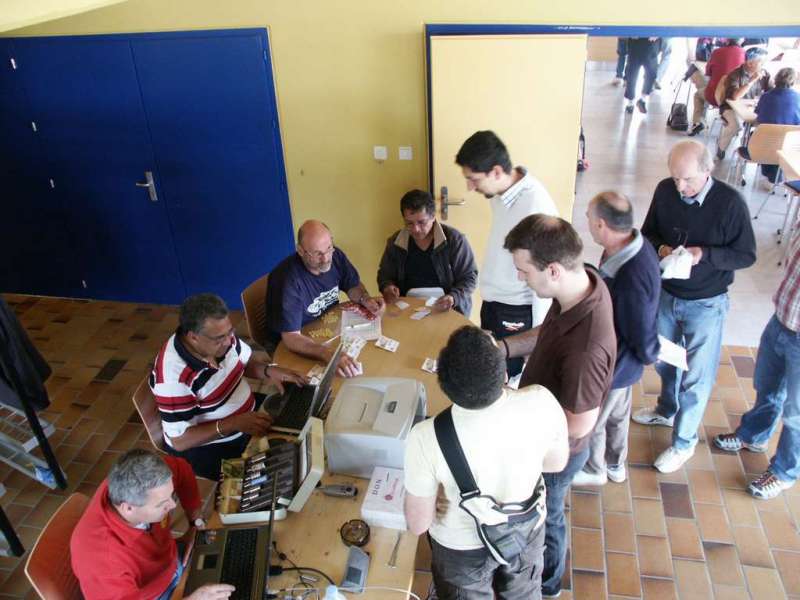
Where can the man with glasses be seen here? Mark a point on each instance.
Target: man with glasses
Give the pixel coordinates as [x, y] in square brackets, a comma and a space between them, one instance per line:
[710, 219]
[427, 254]
[306, 285]
[206, 405]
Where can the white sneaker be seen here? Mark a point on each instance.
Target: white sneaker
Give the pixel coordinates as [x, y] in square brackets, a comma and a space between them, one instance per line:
[586, 478]
[649, 416]
[617, 473]
[672, 459]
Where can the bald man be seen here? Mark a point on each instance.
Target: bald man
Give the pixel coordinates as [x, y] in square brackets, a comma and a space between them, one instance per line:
[306, 285]
[710, 219]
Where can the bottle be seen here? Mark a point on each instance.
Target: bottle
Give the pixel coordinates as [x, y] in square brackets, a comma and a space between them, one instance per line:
[332, 593]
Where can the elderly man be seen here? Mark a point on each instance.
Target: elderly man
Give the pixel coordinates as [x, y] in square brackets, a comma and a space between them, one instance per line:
[427, 254]
[777, 384]
[122, 548]
[523, 431]
[710, 219]
[198, 379]
[306, 285]
[572, 354]
[509, 306]
[722, 61]
[629, 267]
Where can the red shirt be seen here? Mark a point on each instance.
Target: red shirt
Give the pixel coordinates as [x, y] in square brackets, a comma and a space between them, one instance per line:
[723, 61]
[116, 561]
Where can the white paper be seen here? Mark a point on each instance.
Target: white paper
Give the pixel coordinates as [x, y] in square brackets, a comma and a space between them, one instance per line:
[386, 343]
[420, 314]
[430, 365]
[353, 345]
[431, 301]
[402, 305]
[672, 354]
[315, 374]
[677, 265]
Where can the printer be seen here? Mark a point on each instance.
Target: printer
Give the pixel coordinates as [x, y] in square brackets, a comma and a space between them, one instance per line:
[369, 422]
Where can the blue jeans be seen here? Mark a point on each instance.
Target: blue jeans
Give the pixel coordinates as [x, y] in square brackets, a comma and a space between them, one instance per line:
[555, 533]
[622, 55]
[697, 326]
[777, 379]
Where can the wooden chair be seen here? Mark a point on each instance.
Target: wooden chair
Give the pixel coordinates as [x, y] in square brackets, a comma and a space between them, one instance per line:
[255, 310]
[764, 145]
[49, 565]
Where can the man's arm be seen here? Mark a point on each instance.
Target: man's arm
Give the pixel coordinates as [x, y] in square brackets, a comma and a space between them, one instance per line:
[635, 310]
[739, 251]
[305, 346]
[650, 227]
[581, 424]
[258, 367]
[388, 272]
[465, 271]
[359, 294]
[419, 511]
[521, 344]
[586, 375]
[558, 455]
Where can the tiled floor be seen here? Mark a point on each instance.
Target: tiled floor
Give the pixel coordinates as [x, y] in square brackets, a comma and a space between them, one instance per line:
[691, 534]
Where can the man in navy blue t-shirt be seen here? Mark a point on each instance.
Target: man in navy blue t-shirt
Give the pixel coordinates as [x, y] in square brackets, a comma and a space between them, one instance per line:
[305, 285]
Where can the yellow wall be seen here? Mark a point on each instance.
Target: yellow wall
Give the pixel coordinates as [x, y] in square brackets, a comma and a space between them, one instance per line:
[350, 74]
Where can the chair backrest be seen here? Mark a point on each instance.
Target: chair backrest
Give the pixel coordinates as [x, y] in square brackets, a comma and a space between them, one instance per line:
[145, 404]
[255, 309]
[49, 564]
[768, 139]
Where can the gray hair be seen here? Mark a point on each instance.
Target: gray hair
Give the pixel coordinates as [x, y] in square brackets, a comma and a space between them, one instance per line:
[615, 209]
[785, 78]
[196, 309]
[134, 474]
[705, 161]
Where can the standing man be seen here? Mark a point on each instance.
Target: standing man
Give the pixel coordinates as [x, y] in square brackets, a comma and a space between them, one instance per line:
[629, 267]
[509, 437]
[777, 383]
[509, 306]
[428, 254]
[710, 219]
[642, 54]
[572, 354]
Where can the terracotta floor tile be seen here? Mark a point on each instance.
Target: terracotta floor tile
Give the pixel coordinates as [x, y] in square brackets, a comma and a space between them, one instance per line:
[658, 589]
[741, 508]
[644, 483]
[744, 366]
[678, 476]
[676, 500]
[42, 512]
[640, 449]
[648, 517]
[587, 549]
[618, 532]
[101, 468]
[729, 471]
[734, 403]
[692, 579]
[654, 556]
[651, 383]
[94, 447]
[623, 574]
[754, 463]
[753, 547]
[763, 583]
[788, 564]
[126, 437]
[83, 429]
[684, 539]
[715, 415]
[781, 531]
[726, 376]
[739, 351]
[588, 584]
[794, 506]
[703, 486]
[616, 497]
[701, 458]
[713, 523]
[727, 592]
[723, 563]
[585, 510]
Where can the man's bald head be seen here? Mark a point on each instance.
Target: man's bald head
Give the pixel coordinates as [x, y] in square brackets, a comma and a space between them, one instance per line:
[691, 151]
[312, 229]
[614, 209]
[315, 246]
[690, 164]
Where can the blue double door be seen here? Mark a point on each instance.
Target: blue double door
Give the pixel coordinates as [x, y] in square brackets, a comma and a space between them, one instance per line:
[140, 167]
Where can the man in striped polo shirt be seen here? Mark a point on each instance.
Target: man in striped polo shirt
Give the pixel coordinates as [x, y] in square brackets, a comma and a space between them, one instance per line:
[207, 407]
[777, 384]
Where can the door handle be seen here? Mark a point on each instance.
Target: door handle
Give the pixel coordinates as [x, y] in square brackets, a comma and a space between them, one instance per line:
[446, 202]
[150, 184]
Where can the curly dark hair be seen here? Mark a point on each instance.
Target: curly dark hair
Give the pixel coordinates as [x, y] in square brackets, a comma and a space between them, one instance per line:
[482, 151]
[471, 368]
[196, 309]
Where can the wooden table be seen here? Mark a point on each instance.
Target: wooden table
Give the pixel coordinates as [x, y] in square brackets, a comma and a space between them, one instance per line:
[745, 109]
[310, 538]
[789, 162]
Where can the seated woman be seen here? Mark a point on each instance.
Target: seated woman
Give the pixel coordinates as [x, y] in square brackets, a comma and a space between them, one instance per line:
[780, 106]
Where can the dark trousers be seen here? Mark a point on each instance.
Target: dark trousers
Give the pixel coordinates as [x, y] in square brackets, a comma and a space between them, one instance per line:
[636, 62]
[769, 171]
[504, 320]
[475, 575]
[555, 552]
[622, 54]
[206, 460]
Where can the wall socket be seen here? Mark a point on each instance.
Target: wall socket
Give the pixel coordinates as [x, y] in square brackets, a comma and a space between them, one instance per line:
[380, 152]
[405, 153]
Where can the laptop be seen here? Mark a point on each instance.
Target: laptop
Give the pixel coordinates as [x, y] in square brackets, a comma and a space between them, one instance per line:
[291, 411]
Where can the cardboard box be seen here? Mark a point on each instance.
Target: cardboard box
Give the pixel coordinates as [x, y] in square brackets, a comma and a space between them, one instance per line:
[383, 502]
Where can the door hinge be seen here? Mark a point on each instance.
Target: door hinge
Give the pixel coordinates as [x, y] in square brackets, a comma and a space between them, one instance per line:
[13, 63]
[33, 126]
[52, 184]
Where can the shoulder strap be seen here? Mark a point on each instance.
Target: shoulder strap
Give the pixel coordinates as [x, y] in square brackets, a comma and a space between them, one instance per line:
[454, 453]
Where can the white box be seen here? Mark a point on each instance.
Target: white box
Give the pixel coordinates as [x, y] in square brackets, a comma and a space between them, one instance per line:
[384, 500]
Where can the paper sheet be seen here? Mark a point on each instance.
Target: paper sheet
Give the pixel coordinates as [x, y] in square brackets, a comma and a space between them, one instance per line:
[672, 354]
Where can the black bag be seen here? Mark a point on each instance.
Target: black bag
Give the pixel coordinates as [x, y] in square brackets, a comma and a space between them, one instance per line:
[678, 118]
[503, 528]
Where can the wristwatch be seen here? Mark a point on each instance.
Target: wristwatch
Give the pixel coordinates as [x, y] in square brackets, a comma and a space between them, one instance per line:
[199, 522]
[266, 368]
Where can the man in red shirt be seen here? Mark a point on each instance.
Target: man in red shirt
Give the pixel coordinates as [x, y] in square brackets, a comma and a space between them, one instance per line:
[122, 548]
[722, 61]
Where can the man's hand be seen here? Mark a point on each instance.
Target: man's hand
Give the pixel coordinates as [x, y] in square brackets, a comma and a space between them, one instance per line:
[212, 591]
[375, 305]
[253, 423]
[664, 251]
[391, 293]
[278, 375]
[696, 252]
[444, 303]
[348, 367]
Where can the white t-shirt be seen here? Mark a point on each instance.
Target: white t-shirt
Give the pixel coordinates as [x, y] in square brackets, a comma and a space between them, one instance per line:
[504, 444]
[498, 276]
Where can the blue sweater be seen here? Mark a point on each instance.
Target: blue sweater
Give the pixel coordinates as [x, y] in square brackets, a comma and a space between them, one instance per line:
[780, 106]
[635, 291]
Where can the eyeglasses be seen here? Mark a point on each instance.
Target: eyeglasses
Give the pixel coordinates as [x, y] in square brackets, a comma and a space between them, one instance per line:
[317, 255]
[219, 339]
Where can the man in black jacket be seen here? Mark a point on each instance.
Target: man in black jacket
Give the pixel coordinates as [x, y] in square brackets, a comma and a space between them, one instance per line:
[710, 219]
[427, 254]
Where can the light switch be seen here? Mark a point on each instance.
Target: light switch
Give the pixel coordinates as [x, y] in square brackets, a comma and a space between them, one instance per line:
[380, 152]
[405, 153]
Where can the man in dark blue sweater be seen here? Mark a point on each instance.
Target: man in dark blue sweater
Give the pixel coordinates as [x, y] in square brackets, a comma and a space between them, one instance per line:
[710, 219]
[629, 266]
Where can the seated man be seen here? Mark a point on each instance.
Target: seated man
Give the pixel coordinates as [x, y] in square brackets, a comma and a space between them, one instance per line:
[122, 548]
[205, 402]
[306, 285]
[779, 106]
[427, 254]
[722, 61]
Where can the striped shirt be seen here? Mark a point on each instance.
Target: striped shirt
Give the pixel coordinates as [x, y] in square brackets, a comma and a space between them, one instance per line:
[787, 298]
[189, 391]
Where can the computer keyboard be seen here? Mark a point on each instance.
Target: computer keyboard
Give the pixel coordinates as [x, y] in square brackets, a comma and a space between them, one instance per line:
[237, 565]
[295, 412]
